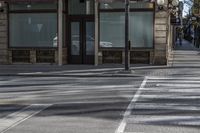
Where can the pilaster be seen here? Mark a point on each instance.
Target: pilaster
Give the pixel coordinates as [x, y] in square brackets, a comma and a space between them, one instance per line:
[160, 40]
[4, 36]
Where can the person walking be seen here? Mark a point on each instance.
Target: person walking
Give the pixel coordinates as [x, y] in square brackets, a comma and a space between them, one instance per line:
[180, 35]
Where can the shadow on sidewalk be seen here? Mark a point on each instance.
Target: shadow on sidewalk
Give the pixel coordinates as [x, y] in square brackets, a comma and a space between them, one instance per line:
[186, 45]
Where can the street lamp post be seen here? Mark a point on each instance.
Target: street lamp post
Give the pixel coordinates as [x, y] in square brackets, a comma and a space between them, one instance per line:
[127, 65]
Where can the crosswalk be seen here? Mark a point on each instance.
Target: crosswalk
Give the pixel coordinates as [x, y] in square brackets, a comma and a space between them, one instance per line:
[20, 116]
[166, 105]
[185, 58]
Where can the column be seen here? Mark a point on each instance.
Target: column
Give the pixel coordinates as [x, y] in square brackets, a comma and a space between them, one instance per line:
[4, 35]
[60, 31]
[96, 33]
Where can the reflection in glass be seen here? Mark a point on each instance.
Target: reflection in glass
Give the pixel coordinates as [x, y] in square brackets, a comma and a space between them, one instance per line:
[112, 5]
[33, 30]
[75, 38]
[112, 29]
[141, 29]
[89, 38]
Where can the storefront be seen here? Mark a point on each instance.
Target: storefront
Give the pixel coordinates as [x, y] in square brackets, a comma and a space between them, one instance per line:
[112, 31]
[92, 31]
[32, 31]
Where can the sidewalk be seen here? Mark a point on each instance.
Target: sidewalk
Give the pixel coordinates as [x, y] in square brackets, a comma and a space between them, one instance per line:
[185, 55]
[105, 70]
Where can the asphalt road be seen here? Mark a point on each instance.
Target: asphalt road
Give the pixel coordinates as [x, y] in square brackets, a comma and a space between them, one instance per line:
[152, 104]
[63, 104]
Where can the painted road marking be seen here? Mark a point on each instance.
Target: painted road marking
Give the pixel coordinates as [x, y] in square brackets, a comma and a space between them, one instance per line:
[169, 85]
[18, 117]
[174, 81]
[178, 85]
[178, 120]
[172, 78]
[182, 82]
[123, 123]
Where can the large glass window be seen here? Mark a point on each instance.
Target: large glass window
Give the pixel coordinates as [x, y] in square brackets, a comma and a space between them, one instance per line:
[112, 32]
[112, 29]
[141, 29]
[35, 28]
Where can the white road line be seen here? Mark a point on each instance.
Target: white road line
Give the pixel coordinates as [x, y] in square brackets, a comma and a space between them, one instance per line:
[18, 117]
[30, 73]
[179, 85]
[174, 81]
[168, 107]
[174, 78]
[122, 125]
[171, 118]
[76, 86]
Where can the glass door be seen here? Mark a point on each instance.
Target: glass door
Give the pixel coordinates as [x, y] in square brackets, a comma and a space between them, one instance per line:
[81, 41]
[75, 42]
[89, 42]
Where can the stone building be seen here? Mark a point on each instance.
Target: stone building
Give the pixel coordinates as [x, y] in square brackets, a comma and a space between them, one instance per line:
[82, 32]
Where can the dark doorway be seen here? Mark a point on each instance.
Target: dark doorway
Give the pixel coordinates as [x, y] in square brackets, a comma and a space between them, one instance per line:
[81, 40]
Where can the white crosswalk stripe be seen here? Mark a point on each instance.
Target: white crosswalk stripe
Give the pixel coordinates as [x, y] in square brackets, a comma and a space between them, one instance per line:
[170, 103]
[18, 117]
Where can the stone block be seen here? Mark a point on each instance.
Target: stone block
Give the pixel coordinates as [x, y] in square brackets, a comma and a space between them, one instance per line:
[161, 21]
[161, 14]
[3, 34]
[3, 40]
[160, 47]
[151, 57]
[33, 56]
[4, 60]
[160, 34]
[3, 52]
[3, 16]
[3, 46]
[160, 53]
[3, 55]
[3, 28]
[160, 40]
[3, 22]
[100, 57]
[160, 27]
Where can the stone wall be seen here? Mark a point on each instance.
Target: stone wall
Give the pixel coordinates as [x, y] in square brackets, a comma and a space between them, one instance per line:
[160, 37]
[3, 37]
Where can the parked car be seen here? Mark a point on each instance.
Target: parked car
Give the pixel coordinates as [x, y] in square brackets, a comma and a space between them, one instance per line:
[91, 39]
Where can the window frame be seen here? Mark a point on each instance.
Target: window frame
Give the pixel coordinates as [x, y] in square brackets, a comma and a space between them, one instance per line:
[131, 10]
[31, 11]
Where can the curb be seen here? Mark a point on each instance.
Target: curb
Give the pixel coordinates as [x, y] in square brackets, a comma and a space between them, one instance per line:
[68, 75]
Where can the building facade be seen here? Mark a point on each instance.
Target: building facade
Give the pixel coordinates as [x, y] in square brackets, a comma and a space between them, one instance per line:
[82, 32]
[196, 8]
